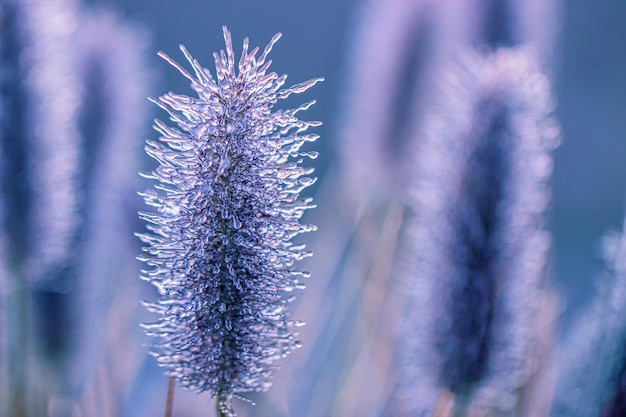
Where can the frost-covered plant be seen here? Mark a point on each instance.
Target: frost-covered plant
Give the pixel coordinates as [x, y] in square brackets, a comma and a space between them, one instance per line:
[220, 251]
[478, 247]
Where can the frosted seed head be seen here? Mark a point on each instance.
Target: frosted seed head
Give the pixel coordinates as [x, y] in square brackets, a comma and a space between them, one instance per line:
[227, 204]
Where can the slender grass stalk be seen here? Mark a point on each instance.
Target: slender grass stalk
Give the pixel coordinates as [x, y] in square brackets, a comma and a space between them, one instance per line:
[361, 392]
[169, 404]
[219, 409]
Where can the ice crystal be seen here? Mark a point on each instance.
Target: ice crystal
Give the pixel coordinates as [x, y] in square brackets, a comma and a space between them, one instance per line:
[478, 248]
[228, 205]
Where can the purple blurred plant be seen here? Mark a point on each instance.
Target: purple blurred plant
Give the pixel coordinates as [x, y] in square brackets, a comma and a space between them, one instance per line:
[592, 361]
[11, 102]
[39, 136]
[110, 66]
[228, 205]
[477, 245]
[385, 97]
[400, 47]
[64, 197]
[54, 155]
[39, 170]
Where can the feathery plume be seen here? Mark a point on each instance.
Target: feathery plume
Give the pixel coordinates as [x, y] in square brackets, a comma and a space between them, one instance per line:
[399, 46]
[228, 205]
[477, 247]
[110, 67]
[46, 157]
[54, 155]
[370, 128]
[40, 159]
[64, 201]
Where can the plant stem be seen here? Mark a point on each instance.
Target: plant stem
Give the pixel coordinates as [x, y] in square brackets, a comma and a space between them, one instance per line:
[218, 405]
[219, 410]
[446, 405]
[170, 397]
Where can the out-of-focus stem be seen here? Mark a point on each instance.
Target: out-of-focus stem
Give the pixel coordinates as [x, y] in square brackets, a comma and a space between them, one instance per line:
[17, 350]
[445, 406]
[170, 397]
